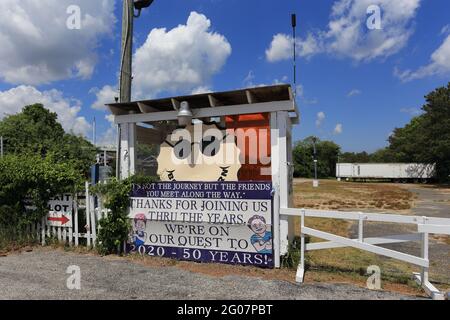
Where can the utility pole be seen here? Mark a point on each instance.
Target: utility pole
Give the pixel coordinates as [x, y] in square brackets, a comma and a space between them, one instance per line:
[127, 47]
[126, 78]
[315, 181]
[1, 146]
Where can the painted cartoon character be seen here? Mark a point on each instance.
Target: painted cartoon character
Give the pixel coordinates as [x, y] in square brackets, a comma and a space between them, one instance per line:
[199, 152]
[139, 236]
[262, 239]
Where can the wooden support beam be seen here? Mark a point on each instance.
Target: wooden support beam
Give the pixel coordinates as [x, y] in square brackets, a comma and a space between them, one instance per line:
[284, 105]
[213, 102]
[175, 104]
[250, 97]
[146, 108]
[117, 111]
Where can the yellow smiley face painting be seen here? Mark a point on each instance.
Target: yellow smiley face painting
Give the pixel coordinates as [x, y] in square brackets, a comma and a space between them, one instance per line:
[199, 152]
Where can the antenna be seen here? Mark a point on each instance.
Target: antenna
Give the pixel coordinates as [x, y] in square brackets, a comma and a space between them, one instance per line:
[294, 25]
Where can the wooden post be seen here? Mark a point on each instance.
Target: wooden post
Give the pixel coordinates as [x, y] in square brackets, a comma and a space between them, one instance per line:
[301, 267]
[43, 223]
[75, 219]
[276, 189]
[93, 222]
[424, 252]
[283, 178]
[360, 227]
[88, 214]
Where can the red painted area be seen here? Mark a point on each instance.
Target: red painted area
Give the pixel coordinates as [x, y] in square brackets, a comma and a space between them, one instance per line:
[251, 162]
[62, 219]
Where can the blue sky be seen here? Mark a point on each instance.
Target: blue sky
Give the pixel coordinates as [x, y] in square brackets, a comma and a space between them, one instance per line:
[356, 84]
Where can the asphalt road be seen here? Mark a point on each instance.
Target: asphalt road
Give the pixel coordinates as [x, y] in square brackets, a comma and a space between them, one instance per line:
[41, 274]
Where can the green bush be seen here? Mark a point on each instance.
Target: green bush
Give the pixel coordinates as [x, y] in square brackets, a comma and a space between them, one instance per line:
[115, 227]
[27, 182]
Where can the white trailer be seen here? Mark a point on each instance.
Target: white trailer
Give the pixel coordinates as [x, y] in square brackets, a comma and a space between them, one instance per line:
[391, 171]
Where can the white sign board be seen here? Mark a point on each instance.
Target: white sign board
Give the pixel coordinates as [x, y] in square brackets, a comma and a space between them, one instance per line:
[227, 222]
[60, 211]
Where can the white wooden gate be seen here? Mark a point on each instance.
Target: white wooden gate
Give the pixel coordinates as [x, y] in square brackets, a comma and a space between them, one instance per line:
[86, 229]
[425, 226]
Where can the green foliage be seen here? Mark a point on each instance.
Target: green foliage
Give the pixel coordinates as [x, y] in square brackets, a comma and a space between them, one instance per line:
[115, 227]
[40, 161]
[36, 179]
[427, 137]
[36, 131]
[384, 155]
[327, 153]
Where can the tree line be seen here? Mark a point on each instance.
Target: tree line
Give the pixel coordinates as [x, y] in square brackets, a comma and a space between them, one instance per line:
[425, 139]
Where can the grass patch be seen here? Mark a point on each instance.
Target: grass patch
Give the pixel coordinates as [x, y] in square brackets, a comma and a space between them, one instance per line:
[12, 239]
[335, 195]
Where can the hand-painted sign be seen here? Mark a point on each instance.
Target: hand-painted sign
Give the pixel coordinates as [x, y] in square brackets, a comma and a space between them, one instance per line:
[60, 211]
[227, 222]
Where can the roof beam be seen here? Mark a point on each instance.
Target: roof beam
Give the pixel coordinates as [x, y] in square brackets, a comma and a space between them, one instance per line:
[284, 105]
[116, 110]
[250, 97]
[213, 102]
[175, 104]
[146, 108]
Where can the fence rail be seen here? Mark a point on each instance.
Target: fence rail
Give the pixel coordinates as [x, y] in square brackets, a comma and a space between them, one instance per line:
[425, 226]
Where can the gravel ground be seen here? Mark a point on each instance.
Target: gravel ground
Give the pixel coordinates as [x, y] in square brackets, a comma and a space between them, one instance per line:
[41, 274]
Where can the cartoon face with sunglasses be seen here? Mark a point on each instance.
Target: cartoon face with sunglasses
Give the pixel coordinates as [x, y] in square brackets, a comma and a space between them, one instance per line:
[200, 152]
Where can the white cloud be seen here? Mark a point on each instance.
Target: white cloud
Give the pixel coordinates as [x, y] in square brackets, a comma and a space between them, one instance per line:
[338, 129]
[36, 45]
[108, 138]
[353, 93]
[201, 89]
[411, 111]
[180, 59]
[12, 101]
[347, 34]
[105, 95]
[439, 65]
[300, 90]
[281, 47]
[320, 118]
[445, 29]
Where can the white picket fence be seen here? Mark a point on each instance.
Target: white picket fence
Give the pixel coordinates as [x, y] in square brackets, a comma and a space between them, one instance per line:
[71, 235]
[425, 226]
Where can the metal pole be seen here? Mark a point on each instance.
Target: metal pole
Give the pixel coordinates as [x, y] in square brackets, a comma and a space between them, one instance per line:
[294, 24]
[315, 182]
[127, 46]
[118, 152]
[1, 146]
